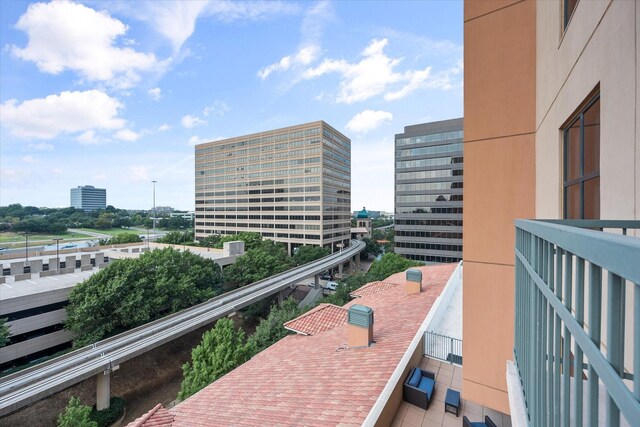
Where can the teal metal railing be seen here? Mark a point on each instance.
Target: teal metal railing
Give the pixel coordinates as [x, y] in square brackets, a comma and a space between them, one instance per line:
[567, 366]
[443, 347]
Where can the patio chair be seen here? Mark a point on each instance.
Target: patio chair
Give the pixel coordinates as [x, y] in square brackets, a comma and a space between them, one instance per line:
[488, 422]
[418, 388]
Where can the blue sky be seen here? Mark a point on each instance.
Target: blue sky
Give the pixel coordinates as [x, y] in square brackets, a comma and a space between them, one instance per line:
[115, 94]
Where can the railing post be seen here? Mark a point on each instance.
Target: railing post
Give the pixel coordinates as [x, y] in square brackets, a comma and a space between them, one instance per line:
[566, 354]
[595, 327]
[615, 338]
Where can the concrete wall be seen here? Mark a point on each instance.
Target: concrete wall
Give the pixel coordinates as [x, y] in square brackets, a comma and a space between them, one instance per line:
[38, 321]
[25, 348]
[499, 151]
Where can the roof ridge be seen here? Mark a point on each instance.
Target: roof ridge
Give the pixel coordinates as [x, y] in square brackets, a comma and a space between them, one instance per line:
[314, 310]
[143, 419]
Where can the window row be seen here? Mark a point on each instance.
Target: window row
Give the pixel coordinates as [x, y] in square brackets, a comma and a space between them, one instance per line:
[433, 149]
[430, 222]
[429, 186]
[257, 208]
[264, 139]
[444, 136]
[423, 163]
[429, 234]
[429, 246]
[439, 173]
[426, 210]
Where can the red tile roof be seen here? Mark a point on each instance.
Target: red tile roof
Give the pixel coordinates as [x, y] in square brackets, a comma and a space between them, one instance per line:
[320, 319]
[157, 417]
[372, 288]
[317, 380]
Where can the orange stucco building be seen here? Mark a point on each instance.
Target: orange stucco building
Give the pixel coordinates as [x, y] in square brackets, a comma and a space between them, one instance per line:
[532, 71]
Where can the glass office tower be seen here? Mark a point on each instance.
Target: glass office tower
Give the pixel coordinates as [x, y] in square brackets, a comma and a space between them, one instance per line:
[428, 192]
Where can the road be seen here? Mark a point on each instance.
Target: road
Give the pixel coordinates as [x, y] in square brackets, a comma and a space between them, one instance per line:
[28, 386]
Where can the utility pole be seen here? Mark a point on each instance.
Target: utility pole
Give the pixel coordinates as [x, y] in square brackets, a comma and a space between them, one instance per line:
[154, 208]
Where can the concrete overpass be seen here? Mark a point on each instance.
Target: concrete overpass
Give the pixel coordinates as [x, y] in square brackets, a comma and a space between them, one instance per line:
[25, 387]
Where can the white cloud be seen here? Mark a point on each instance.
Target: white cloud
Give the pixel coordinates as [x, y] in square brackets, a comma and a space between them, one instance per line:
[138, 173]
[218, 108]
[70, 36]
[127, 135]
[305, 56]
[311, 30]
[88, 138]
[69, 112]
[190, 121]
[164, 127]
[41, 146]
[29, 159]
[155, 93]
[176, 20]
[368, 120]
[99, 177]
[376, 74]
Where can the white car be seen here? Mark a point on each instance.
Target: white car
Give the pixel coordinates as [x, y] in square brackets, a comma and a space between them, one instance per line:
[332, 286]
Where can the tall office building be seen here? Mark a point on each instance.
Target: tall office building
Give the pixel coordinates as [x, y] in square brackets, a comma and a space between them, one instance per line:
[428, 192]
[292, 185]
[88, 198]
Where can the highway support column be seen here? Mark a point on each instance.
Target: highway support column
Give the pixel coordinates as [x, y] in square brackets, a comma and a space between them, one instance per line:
[317, 281]
[103, 390]
[357, 263]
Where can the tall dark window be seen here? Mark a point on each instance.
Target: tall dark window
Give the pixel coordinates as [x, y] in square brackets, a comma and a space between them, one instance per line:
[582, 163]
[569, 7]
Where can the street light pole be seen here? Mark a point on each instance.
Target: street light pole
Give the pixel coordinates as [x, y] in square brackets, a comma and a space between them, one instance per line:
[57, 239]
[154, 207]
[26, 248]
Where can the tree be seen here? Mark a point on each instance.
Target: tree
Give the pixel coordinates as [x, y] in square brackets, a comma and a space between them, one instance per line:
[389, 264]
[372, 248]
[76, 415]
[271, 329]
[222, 349]
[132, 292]
[122, 238]
[177, 238]
[4, 332]
[263, 260]
[308, 253]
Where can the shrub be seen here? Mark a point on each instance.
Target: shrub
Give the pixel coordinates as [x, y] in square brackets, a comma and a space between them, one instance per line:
[106, 417]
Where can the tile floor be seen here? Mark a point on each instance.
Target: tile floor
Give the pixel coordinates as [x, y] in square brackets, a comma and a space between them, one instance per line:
[447, 376]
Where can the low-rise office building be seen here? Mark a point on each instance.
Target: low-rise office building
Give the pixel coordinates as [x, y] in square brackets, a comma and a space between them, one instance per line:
[291, 185]
[88, 198]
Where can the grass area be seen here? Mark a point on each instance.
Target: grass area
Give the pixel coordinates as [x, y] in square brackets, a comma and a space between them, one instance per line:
[109, 231]
[8, 237]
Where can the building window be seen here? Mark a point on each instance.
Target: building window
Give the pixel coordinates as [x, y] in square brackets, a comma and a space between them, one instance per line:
[582, 163]
[569, 7]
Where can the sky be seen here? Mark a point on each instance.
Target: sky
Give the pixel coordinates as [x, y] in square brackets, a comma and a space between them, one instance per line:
[116, 94]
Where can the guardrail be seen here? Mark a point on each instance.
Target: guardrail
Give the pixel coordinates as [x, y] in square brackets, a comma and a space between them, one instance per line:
[22, 388]
[559, 278]
[442, 347]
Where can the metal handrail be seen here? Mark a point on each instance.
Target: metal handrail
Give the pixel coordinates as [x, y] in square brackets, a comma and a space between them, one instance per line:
[550, 323]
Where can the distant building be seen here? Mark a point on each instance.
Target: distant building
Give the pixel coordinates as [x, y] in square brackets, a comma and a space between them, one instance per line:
[373, 214]
[184, 215]
[363, 226]
[292, 185]
[163, 209]
[428, 192]
[88, 198]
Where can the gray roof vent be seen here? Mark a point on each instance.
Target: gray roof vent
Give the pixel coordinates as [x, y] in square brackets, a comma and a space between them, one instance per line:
[360, 315]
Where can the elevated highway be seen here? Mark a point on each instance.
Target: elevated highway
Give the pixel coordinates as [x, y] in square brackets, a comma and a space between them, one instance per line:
[25, 387]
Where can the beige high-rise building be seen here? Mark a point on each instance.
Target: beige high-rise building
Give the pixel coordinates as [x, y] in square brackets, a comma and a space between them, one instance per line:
[292, 185]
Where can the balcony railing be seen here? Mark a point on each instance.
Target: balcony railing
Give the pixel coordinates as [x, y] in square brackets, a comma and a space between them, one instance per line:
[443, 347]
[577, 338]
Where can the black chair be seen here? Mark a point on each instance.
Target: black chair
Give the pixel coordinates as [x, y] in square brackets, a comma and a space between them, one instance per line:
[418, 388]
[488, 422]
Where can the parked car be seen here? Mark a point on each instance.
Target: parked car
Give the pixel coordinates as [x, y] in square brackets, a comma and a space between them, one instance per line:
[332, 286]
[326, 277]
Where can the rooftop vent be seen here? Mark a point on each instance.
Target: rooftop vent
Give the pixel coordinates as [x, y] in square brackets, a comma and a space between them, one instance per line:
[414, 281]
[360, 321]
